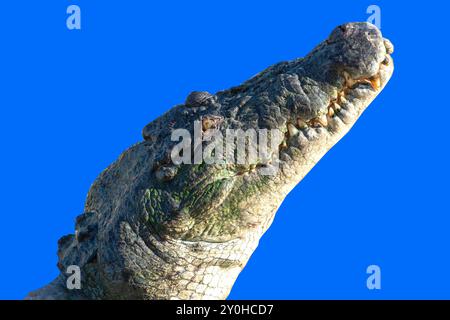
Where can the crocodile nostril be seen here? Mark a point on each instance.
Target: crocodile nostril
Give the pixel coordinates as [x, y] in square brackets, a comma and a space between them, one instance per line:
[389, 46]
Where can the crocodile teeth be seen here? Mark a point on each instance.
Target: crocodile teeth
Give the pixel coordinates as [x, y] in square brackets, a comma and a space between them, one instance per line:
[331, 111]
[342, 101]
[301, 124]
[375, 82]
[323, 120]
[337, 106]
[348, 79]
[292, 129]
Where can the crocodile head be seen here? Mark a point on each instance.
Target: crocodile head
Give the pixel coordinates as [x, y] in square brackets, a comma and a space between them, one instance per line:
[158, 228]
[311, 102]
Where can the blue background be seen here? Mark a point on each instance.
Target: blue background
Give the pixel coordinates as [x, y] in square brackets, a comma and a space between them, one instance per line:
[72, 101]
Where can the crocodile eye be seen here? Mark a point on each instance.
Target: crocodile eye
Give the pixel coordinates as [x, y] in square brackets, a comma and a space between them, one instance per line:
[211, 122]
[197, 98]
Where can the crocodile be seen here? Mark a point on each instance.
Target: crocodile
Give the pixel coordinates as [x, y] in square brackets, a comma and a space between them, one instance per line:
[156, 229]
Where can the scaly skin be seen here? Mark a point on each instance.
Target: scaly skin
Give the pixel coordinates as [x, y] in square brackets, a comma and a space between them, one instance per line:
[152, 229]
